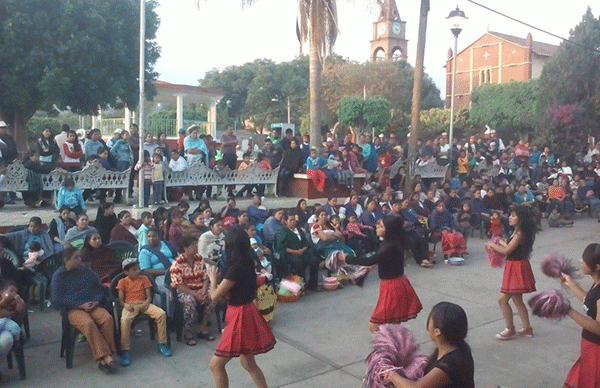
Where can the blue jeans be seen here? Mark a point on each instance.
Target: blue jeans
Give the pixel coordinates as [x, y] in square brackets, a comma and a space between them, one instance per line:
[157, 190]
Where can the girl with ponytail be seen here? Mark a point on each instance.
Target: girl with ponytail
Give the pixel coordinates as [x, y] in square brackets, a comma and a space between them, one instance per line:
[451, 364]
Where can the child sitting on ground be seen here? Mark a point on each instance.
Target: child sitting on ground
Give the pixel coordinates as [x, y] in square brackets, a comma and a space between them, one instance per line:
[135, 295]
[555, 220]
[71, 196]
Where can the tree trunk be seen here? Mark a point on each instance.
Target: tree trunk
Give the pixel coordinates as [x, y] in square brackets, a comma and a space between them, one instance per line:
[315, 96]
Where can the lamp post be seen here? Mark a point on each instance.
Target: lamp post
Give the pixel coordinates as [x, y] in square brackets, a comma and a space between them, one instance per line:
[289, 110]
[456, 17]
[142, 99]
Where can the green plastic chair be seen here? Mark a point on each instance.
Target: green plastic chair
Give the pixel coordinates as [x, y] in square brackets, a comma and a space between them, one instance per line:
[12, 256]
[43, 274]
[123, 249]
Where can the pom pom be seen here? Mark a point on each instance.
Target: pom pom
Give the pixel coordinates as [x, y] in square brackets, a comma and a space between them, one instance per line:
[394, 349]
[554, 264]
[549, 304]
[495, 258]
[359, 276]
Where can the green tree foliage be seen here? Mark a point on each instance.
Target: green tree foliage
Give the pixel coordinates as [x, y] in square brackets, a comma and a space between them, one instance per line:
[437, 120]
[569, 103]
[362, 113]
[507, 107]
[79, 55]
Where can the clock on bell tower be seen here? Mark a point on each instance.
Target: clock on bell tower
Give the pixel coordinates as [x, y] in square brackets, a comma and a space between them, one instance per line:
[389, 31]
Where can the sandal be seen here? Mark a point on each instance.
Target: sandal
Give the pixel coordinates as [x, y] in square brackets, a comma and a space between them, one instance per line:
[190, 342]
[206, 336]
[426, 264]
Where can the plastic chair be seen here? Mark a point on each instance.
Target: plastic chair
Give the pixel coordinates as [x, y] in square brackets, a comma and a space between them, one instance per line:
[43, 274]
[12, 256]
[123, 249]
[17, 350]
[177, 318]
[117, 310]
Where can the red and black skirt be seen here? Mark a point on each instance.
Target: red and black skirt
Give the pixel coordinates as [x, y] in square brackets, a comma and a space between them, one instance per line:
[518, 277]
[398, 302]
[585, 373]
[246, 332]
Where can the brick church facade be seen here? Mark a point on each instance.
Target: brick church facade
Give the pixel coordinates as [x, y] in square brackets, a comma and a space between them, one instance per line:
[495, 58]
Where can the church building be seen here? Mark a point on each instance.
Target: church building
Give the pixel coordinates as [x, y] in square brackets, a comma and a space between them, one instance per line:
[389, 32]
[495, 58]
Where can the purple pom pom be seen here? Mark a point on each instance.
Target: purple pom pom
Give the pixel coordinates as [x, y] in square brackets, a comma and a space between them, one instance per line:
[549, 304]
[394, 349]
[553, 265]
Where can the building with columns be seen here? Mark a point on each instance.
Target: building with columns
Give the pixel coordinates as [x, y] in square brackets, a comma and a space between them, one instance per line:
[495, 58]
[389, 34]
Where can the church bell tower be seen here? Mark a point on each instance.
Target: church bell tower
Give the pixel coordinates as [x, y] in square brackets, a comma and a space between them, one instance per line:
[389, 32]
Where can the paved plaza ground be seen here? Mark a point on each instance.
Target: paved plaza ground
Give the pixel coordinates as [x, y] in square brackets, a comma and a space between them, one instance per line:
[322, 340]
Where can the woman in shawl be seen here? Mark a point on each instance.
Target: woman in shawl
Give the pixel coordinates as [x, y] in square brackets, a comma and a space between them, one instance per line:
[106, 220]
[77, 234]
[60, 225]
[124, 230]
[101, 258]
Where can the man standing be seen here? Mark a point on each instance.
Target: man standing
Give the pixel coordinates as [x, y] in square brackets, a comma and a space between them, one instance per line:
[134, 143]
[61, 138]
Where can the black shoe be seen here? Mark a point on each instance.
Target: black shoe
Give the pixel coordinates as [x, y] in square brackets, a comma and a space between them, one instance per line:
[110, 368]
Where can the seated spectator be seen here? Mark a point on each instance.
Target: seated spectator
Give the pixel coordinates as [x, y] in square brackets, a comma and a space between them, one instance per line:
[177, 163]
[142, 232]
[21, 239]
[77, 234]
[464, 220]
[72, 152]
[314, 170]
[360, 237]
[77, 292]
[106, 220]
[415, 203]
[326, 238]
[197, 222]
[272, 225]
[210, 244]
[243, 219]
[557, 197]
[372, 214]
[414, 232]
[351, 208]
[441, 218]
[70, 196]
[452, 202]
[135, 296]
[189, 279]
[124, 230]
[93, 143]
[35, 168]
[229, 213]
[12, 311]
[555, 220]
[430, 200]
[295, 254]
[100, 258]
[257, 213]
[60, 224]
[331, 207]
[479, 212]
[174, 226]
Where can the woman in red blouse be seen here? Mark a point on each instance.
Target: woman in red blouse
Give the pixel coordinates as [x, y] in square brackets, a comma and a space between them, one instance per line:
[189, 278]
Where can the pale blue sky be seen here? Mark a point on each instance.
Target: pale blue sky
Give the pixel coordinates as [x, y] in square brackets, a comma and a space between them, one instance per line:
[221, 33]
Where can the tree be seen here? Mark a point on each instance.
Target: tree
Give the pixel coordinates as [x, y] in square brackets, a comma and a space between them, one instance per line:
[510, 107]
[569, 103]
[362, 113]
[71, 54]
[437, 120]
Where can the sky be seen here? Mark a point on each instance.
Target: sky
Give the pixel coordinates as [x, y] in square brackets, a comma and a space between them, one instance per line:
[221, 33]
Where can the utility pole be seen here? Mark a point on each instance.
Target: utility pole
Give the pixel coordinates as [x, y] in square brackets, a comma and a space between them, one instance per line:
[416, 98]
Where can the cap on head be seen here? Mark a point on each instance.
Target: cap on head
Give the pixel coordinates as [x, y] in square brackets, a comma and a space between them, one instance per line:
[3, 124]
[119, 130]
[128, 263]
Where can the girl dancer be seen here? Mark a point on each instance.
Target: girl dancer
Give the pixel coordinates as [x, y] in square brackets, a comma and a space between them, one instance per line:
[451, 364]
[398, 302]
[246, 333]
[586, 371]
[518, 277]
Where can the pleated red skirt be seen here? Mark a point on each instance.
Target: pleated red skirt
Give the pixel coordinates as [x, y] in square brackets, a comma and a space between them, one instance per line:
[585, 373]
[398, 302]
[246, 332]
[518, 277]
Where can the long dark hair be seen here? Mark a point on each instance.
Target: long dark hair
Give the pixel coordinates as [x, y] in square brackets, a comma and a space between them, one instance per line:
[452, 322]
[591, 256]
[238, 251]
[527, 226]
[394, 232]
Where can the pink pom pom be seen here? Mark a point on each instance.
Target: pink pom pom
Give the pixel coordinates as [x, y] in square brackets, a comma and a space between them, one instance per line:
[552, 266]
[495, 258]
[394, 349]
[549, 304]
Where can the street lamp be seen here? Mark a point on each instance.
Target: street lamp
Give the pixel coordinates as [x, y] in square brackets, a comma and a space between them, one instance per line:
[289, 120]
[456, 18]
[142, 99]
[229, 104]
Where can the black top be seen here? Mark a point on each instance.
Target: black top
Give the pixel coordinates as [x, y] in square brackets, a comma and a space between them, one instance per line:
[104, 225]
[519, 253]
[459, 366]
[244, 289]
[390, 260]
[590, 303]
[292, 159]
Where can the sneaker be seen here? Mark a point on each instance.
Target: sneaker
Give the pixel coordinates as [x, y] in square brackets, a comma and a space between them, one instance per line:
[125, 358]
[506, 334]
[525, 332]
[164, 350]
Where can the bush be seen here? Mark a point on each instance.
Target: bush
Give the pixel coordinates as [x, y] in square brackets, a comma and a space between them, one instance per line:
[36, 125]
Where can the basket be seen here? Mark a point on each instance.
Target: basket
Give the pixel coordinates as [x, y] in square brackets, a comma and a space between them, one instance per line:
[288, 298]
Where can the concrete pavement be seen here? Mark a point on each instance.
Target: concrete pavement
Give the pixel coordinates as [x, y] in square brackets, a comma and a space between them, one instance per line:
[323, 338]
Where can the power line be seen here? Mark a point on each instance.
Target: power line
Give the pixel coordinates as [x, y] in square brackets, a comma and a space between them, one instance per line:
[534, 27]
